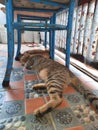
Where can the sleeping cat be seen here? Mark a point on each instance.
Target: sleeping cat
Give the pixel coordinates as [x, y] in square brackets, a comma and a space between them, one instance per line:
[56, 77]
[24, 57]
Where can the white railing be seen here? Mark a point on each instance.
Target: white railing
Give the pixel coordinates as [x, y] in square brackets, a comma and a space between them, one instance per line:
[84, 37]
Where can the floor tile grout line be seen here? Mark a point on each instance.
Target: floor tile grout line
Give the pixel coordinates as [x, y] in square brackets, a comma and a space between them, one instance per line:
[50, 114]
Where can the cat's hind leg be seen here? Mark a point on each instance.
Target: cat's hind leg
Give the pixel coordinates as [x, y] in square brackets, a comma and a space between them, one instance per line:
[55, 100]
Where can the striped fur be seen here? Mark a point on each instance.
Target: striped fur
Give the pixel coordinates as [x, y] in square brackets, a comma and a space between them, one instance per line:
[24, 57]
[56, 77]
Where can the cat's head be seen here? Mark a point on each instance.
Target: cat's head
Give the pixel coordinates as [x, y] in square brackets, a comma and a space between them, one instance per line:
[24, 58]
[32, 61]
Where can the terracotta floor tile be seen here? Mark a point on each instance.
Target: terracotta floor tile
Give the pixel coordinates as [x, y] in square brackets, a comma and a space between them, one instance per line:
[17, 85]
[30, 77]
[11, 95]
[75, 128]
[69, 89]
[64, 104]
[32, 104]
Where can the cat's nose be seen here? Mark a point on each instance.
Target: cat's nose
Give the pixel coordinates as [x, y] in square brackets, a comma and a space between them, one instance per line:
[27, 67]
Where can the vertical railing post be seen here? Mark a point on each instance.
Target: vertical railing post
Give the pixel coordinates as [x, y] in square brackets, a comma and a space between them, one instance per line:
[69, 29]
[45, 42]
[52, 41]
[19, 39]
[50, 36]
[10, 40]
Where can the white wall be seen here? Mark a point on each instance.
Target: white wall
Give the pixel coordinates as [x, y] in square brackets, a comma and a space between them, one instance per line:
[27, 36]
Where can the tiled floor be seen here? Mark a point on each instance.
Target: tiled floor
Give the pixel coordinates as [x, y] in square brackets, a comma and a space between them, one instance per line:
[18, 103]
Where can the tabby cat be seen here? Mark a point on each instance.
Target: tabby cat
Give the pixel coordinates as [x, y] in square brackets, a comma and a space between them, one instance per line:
[56, 77]
[24, 57]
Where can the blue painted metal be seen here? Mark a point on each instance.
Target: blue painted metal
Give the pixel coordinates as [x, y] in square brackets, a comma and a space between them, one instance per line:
[10, 38]
[48, 2]
[28, 16]
[35, 29]
[37, 19]
[34, 10]
[61, 9]
[39, 29]
[45, 42]
[25, 24]
[50, 42]
[69, 29]
[52, 37]
[34, 18]
[19, 40]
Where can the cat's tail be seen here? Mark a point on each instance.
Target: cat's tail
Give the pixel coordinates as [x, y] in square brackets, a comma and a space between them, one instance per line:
[89, 95]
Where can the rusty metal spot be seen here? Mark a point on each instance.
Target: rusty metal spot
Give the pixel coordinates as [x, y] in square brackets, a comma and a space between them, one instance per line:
[92, 46]
[82, 13]
[93, 53]
[97, 29]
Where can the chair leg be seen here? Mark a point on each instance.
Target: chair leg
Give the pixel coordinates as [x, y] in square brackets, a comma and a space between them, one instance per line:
[10, 36]
[18, 54]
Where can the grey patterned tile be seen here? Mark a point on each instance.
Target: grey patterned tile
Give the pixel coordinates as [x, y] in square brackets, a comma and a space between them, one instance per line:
[13, 123]
[17, 74]
[36, 123]
[2, 95]
[74, 99]
[12, 108]
[64, 118]
[30, 93]
[1, 87]
[92, 126]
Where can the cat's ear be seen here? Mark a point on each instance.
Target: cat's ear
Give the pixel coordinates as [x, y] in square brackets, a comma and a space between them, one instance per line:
[28, 65]
[28, 56]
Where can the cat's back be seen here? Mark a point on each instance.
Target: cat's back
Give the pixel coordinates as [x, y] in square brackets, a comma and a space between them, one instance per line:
[54, 69]
[52, 66]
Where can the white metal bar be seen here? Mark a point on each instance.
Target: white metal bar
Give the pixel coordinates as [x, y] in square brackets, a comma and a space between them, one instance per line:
[91, 54]
[77, 29]
[88, 27]
[82, 27]
[73, 31]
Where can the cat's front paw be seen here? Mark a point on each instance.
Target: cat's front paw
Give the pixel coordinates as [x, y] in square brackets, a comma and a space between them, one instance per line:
[42, 111]
[38, 113]
[34, 87]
